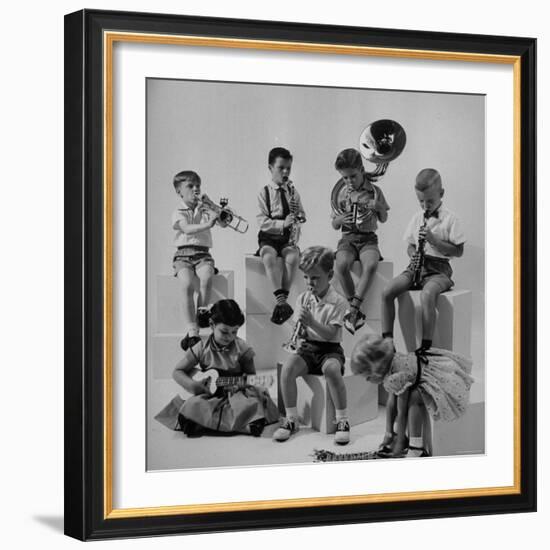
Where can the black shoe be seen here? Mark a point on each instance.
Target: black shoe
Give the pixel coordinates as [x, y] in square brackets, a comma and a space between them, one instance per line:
[257, 427]
[281, 313]
[189, 428]
[189, 342]
[203, 317]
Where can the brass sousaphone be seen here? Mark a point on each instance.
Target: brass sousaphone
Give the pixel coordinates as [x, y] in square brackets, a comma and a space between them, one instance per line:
[379, 143]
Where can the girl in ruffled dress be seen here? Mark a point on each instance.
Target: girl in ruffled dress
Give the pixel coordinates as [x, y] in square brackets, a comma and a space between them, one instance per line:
[242, 408]
[436, 379]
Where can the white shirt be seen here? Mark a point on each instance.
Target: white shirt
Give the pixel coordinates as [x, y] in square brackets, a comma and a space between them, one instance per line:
[330, 310]
[267, 223]
[446, 227]
[185, 215]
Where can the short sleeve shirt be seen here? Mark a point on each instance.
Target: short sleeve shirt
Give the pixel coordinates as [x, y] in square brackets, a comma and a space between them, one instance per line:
[446, 227]
[187, 215]
[329, 310]
[211, 356]
[370, 200]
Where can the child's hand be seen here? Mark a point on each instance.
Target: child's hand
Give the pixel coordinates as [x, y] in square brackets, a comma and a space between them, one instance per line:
[344, 219]
[430, 237]
[305, 317]
[212, 218]
[289, 220]
[201, 387]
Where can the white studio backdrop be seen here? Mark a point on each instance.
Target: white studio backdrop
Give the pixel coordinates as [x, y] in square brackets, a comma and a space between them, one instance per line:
[32, 320]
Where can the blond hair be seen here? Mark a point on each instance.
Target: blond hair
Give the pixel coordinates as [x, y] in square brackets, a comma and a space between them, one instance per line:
[372, 354]
[428, 178]
[317, 256]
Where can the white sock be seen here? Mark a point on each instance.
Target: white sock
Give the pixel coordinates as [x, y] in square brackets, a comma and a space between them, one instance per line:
[291, 412]
[341, 414]
[416, 442]
[193, 329]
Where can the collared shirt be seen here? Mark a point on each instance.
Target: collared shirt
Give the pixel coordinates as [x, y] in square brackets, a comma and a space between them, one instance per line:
[370, 201]
[446, 227]
[187, 215]
[329, 310]
[274, 223]
[229, 358]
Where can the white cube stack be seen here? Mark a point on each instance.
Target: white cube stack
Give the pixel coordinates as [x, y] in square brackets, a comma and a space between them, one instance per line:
[168, 327]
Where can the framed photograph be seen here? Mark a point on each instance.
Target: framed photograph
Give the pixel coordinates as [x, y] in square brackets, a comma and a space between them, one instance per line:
[300, 274]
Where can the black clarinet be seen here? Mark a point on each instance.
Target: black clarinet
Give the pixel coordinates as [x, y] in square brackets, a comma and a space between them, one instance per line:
[417, 261]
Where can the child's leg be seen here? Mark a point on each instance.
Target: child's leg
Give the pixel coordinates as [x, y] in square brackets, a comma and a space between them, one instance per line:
[291, 259]
[391, 412]
[369, 261]
[332, 369]
[205, 272]
[342, 266]
[295, 366]
[282, 311]
[187, 277]
[395, 287]
[401, 424]
[416, 418]
[428, 299]
[272, 270]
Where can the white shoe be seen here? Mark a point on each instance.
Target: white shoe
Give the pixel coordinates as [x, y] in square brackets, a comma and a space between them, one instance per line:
[342, 432]
[286, 429]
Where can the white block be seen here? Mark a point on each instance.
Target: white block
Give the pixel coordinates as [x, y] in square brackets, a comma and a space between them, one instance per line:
[372, 304]
[452, 327]
[169, 318]
[259, 291]
[267, 339]
[316, 408]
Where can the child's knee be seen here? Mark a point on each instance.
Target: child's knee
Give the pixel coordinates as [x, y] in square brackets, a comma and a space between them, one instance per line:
[332, 369]
[342, 265]
[428, 296]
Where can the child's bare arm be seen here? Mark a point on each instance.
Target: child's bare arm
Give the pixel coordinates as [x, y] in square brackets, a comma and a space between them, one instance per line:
[192, 228]
[445, 247]
[326, 332]
[182, 376]
[247, 365]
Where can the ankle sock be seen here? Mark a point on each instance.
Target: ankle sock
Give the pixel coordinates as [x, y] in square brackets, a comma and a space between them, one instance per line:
[291, 412]
[341, 414]
[281, 296]
[416, 442]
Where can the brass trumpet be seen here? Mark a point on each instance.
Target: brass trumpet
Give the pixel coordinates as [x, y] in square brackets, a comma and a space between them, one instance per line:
[297, 337]
[226, 216]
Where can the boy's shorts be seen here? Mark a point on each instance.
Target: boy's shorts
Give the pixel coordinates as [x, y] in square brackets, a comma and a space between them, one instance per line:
[192, 257]
[316, 353]
[359, 242]
[278, 242]
[435, 270]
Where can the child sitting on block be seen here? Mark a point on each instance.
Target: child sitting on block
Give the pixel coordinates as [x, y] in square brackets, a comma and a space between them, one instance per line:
[280, 212]
[320, 312]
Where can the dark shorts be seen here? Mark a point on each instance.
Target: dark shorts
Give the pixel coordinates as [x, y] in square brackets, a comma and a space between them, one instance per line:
[277, 242]
[316, 353]
[359, 242]
[435, 270]
[192, 257]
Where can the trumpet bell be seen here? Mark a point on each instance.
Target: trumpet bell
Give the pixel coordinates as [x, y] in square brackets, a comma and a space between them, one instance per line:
[382, 141]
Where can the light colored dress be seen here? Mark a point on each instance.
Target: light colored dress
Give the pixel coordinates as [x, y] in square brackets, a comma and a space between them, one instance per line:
[444, 381]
